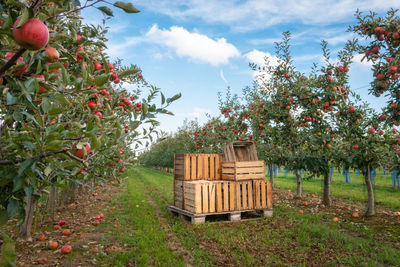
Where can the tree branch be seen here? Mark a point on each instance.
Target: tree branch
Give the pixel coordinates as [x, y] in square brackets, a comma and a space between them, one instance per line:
[12, 61]
[74, 157]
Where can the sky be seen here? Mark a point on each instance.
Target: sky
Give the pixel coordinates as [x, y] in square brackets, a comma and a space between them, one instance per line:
[199, 48]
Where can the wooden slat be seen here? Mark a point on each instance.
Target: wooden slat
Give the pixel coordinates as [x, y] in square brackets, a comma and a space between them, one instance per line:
[212, 167]
[200, 169]
[249, 176]
[263, 195]
[211, 197]
[228, 164]
[238, 197]
[218, 196]
[205, 197]
[259, 163]
[192, 167]
[269, 194]
[225, 187]
[244, 195]
[257, 194]
[249, 170]
[217, 167]
[250, 195]
[232, 196]
[187, 167]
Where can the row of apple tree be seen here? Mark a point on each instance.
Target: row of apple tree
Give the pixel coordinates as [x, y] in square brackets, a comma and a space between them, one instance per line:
[66, 119]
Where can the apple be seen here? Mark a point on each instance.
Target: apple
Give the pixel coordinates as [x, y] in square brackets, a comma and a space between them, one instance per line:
[94, 250]
[322, 206]
[290, 195]
[41, 237]
[382, 117]
[97, 66]
[335, 219]
[98, 114]
[66, 232]
[56, 227]
[101, 215]
[110, 66]
[43, 260]
[61, 222]
[52, 245]
[355, 146]
[96, 222]
[113, 76]
[352, 109]
[52, 54]
[95, 194]
[66, 249]
[393, 69]
[78, 38]
[140, 75]
[92, 105]
[305, 203]
[355, 215]
[80, 152]
[122, 170]
[371, 130]
[287, 75]
[33, 35]
[301, 211]
[117, 81]
[381, 132]
[97, 217]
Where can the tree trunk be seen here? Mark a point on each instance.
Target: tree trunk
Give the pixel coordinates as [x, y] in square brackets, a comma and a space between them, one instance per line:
[299, 184]
[327, 189]
[271, 175]
[371, 199]
[51, 205]
[25, 230]
[72, 193]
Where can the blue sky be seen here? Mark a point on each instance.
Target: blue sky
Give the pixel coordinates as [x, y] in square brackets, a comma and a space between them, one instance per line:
[199, 47]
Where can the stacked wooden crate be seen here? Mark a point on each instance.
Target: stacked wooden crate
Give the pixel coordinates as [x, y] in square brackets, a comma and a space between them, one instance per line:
[213, 183]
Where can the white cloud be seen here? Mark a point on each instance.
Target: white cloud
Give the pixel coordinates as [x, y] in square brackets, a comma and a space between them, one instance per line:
[221, 74]
[193, 45]
[117, 49]
[198, 112]
[338, 39]
[365, 63]
[259, 57]
[254, 14]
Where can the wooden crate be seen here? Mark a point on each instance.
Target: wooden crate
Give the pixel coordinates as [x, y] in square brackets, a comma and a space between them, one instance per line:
[240, 151]
[193, 167]
[262, 191]
[202, 197]
[178, 194]
[244, 195]
[242, 170]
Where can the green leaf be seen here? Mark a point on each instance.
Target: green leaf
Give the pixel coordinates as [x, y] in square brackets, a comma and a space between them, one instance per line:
[162, 99]
[76, 3]
[100, 80]
[127, 7]
[175, 97]
[144, 109]
[12, 208]
[18, 183]
[25, 165]
[26, 15]
[17, 116]
[106, 11]
[47, 170]
[3, 216]
[11, 100]
[45, 104]
[128, 72]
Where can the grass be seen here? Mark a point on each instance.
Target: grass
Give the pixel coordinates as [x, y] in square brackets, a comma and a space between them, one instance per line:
[355, 191]
[288, 238]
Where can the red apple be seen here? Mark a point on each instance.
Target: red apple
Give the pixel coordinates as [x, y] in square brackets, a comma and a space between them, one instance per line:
[78, 38]
[66, 249]
[61, 222]
[66, 232]
[140, 75]
[371, 130]
[53, 245]
[352, 109]
[92, 105]
[382, 117]
[355, 146]
[80, 152]
[101, 215]
[287, 75]
[122, 170]
[52, 54]
[97, 66]
[33, 35]
[43, 260]
[41, 237]
[393, 69]
[98, 114]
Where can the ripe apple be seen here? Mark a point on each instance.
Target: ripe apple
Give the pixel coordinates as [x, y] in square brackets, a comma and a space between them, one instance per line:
[335, 219]
[101, 215]
[290, 195]
[33, 35]
[94, 250]
[322, 206]
[382, 117]
[92, 105]
[53, 245]
[61, 222]
[381, 132]
[301, 211]
[97, 217]
[66, 232]
[113, 76]
[97, 66]
[287, 75]
[305, 203]
[66, 249]
[95, 194]
[41, 237]
[355, 146]
[43, 260]
[393, 69]
[371, 130]
[56, 227]
[393, 105]
[140, 75]
[122, 169]
[80, 152]
[355, 215]
[78, 38]
[52, 54]
[352, 109]
[98, 114]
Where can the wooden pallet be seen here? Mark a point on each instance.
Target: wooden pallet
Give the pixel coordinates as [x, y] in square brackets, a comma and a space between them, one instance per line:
[193, 167]
[228, 215]
[242, 170]
[240, 151]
